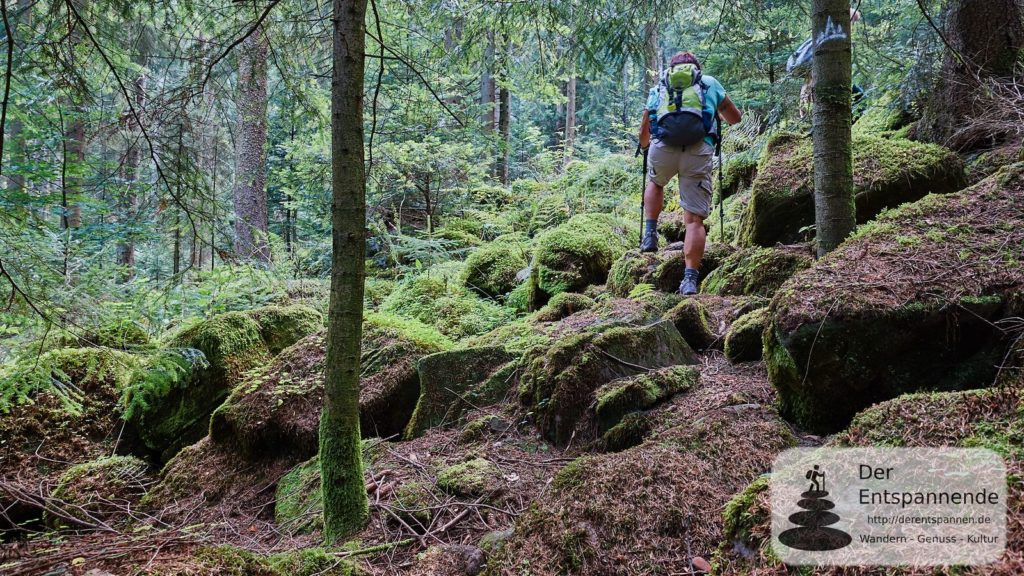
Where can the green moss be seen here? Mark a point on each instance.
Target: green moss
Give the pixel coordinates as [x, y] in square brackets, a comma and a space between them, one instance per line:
[101, 488]
[419, 334]
[298, 500]
[887, 172]
[628, 433]
[232, 561]
[517, 337]
[581, 251]
[754, 272]
[572, 474]
[692, 320]
[413, 502]
[282, 326]
[472, 478]
[740, 515]
[635, 393]
[738, 174]
[562, 305]
[437, 297]
[492, 268]
[743, 342]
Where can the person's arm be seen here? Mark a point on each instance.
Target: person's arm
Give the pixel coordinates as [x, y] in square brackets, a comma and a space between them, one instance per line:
[645, 131]
[729, 112]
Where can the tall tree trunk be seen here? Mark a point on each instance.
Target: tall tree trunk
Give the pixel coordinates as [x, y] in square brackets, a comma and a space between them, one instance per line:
[74, 160]
[504, 115]
[250, 190]
[345, 504]
[569, 140]
[16, 145]
[987, 36]
[651, 60]
[128, 202]
[833, 163]
[487, 87]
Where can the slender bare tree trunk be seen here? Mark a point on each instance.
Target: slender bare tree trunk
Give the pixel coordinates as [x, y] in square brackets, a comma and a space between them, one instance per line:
[504, 115]
[569, 140]
[651, 61]
[250, 192]
[345, 503]
[833, 162]
[128, 203]
[74, 160]
[487, 87]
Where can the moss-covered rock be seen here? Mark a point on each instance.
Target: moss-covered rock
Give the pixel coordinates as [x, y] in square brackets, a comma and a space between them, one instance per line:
[558, 381]
[692, 320]
[282, 326]
[472, 478]
[631, 394]
[454, 382]
[277, 409]
[104, 490]
[738, 175]
[743, 340]
[663, 271]
[732, 210]
[867, 323]
[231, 561]
[886, 172]
[630, 432]
[580, 252]
[172, 399]
[672, 226]
[414, 503]
[437, 297]
[492, 268]
[755, 272]
[562, 305]
[298, 499]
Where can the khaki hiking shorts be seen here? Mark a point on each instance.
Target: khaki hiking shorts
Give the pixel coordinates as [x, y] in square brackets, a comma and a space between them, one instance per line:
[693, 164]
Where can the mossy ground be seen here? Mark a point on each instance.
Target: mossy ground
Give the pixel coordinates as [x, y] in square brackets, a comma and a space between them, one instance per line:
[492, 268]
[581, 251]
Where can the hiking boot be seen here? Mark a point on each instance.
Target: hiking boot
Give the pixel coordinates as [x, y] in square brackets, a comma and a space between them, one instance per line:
[688, 286]
[649, 243]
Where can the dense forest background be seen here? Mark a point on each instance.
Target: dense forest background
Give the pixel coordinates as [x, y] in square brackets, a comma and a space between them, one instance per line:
[204, 371]
[148, 148]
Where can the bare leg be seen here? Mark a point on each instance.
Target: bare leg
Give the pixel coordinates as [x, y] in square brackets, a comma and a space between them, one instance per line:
[654, 200]
[696, 237]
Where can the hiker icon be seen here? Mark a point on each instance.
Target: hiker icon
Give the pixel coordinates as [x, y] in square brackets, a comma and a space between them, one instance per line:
[817, 479]
[813, 532]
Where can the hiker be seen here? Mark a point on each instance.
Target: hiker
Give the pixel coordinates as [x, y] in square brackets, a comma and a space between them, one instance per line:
[678, 134]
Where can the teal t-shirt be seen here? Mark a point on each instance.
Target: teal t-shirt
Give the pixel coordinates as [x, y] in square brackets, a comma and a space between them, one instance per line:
[713, 97]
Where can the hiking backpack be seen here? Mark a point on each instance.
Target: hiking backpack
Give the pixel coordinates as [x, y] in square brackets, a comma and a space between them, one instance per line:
[680, 119]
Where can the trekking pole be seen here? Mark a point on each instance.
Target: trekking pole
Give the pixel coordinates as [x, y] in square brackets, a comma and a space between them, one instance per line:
[721, 189]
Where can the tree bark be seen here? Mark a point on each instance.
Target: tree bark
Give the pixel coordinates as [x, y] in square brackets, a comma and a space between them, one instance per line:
[128, 203]
[250, 191]
[504, 116]
[987, 37]
[651, 61]
[345, 504]
[74, 160]
[487, 87]
[833, 163]
[569, 140]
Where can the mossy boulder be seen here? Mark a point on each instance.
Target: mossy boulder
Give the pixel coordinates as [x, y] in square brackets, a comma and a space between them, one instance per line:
[472, 478]
[731, 213]
[228, 560]
[755, 271]
[626, 512]
[491, 269]
[887, 172]
[171, 400]
[663, 271]
[277, 409]
[692, 319]
[298, 499]
[743, 340]
[282, 326]
[104, 490]
[438, 297]
[580, 252]
[629, 432]
[910, 302]
[563, 305]
[631, 394]
[672, 226]
[738, 175]
[454, 382]
[559, 381]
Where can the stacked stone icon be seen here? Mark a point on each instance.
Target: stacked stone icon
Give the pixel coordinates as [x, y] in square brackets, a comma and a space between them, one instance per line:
[813, 532]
